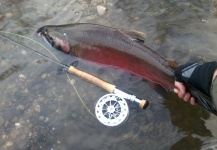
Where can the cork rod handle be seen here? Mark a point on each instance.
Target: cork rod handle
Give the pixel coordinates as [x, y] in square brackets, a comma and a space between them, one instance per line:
[92, 79]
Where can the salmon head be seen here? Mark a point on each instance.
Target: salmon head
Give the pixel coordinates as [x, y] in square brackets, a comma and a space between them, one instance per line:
[54, 38]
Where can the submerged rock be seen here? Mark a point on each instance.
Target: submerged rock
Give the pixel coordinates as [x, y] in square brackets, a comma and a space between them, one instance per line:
[9, 14]
[37, 108]
[101, 10]
[8, 144]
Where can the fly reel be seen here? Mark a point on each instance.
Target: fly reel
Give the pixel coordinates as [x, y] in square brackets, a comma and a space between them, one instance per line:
[111, 110]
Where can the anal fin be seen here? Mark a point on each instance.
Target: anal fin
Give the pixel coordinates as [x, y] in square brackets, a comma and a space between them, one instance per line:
[68, 61]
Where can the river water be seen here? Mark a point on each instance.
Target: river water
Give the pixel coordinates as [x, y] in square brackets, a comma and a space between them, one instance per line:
[41, 110]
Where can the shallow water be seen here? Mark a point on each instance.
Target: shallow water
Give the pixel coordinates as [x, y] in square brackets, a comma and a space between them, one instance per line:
[41, 110]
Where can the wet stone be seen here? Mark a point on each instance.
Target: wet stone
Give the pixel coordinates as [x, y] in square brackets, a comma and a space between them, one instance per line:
[42, 118]
[37, 108]
[18, 125]
[22, 76]
[4, 136]
[136, 18]
[9, 14]
[101, 10]
[20, 107]
[8, 144]
[44, 76]
[23, 52]
[14, 134]
[74, 115]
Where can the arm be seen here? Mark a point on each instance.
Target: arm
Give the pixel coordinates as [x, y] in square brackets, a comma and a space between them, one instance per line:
[199, 76]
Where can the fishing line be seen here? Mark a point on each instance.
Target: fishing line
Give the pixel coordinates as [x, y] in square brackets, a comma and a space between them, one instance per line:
[56, 59]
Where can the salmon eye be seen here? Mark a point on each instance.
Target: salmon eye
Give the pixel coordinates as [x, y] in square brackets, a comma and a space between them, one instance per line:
[44, 31]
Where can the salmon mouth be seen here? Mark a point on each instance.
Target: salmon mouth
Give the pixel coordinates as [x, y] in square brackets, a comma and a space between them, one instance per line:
[42, 31]
[55, 42]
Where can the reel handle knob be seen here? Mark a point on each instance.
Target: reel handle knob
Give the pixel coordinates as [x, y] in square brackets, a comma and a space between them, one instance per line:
[144, 104]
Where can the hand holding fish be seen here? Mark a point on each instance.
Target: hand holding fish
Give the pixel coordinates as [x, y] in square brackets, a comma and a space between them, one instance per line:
[180, 90]
[201, 76]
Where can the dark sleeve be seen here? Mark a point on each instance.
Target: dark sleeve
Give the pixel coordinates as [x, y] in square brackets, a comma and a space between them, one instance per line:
[199, 76]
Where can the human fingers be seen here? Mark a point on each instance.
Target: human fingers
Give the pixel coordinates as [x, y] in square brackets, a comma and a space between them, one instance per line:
[186, 97]
[192, 101]
[180, 89]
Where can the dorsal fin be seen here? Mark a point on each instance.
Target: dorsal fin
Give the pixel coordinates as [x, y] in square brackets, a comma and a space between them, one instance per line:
[135, 35]
[172, 64]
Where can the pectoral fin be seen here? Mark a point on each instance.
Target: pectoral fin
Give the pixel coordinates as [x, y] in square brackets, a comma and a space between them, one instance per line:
[135, 35]
[68, 61]
[172, 64]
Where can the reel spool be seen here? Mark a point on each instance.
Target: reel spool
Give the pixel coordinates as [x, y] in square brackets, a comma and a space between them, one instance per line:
[111, 110]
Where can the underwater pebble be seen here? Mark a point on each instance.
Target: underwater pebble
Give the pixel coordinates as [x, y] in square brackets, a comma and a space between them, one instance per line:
[4, 136]
[3, 63]
[17, 125]
[58, 141]
[30, 134]
[41, 118]
[44, 76]
[14, 134]
[37, 108]
[9, 14]
[136, 18]
[23, 52]
[26, 91]
[8, 144]
[101, 10]
[74, 115]
[20, 107]
[46, 119]
[22, 76]
[204, 20]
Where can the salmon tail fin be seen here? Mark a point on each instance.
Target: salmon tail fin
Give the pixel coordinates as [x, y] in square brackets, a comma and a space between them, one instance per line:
[135, 35]
[202, 99]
